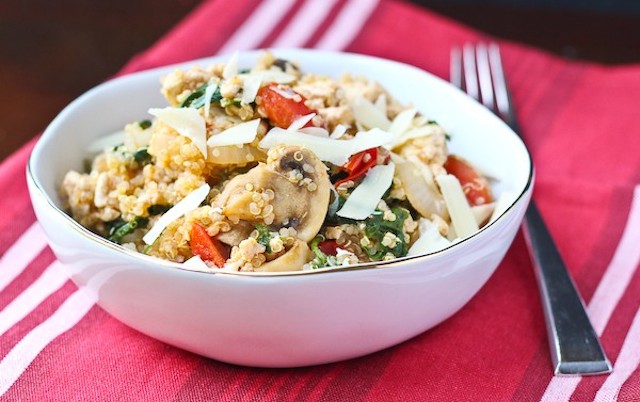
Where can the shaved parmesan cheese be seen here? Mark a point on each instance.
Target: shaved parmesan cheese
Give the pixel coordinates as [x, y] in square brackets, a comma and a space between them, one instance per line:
[208, 94]
[430, 239]
[416, 132]
[462, 218]
[338, 131]
[108, 141]
[482, 212]
[137, 138]
[278, 76]
[195, 263]
[381, 103]
[272, 75]
[298, 123]
[243, 133]
[503, 202]
[250, 87]
[187, 122]
[286, 93]
[402, 122]
[231, 68]
[365, 198]
[315, 131]
[327, 149]
[188, 203]
[368, 115]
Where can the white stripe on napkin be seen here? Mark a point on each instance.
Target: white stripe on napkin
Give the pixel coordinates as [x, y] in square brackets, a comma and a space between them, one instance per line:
[19, 358]
[51, 280]
[626, 364]
[20, 254]
[305, 23]
[347, 25]
[258, 26]
[606, 297]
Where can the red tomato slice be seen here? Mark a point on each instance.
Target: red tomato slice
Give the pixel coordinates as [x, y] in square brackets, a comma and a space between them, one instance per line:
[476, 188]
[359, 164]
[207, 248]
[281, 110]
[328, 247]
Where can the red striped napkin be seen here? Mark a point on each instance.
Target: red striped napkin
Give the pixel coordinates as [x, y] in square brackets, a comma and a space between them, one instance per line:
[580, 123]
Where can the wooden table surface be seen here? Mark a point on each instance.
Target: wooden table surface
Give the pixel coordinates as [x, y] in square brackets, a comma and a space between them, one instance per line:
[52, 51]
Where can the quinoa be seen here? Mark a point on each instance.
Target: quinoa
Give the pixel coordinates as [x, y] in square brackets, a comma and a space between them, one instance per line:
[268, 207]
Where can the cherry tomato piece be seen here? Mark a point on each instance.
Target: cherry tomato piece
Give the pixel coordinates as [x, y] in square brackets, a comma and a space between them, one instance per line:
[359, 164]
[207, 248]
[475, 187]
[328, 247]
[282, 110]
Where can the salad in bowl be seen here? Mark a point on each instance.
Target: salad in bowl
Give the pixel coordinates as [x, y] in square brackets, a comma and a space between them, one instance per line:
[271, 168]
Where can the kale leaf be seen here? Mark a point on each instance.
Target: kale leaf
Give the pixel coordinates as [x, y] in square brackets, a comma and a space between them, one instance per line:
[197, 99]
[142, 156]
[144, 124]
[376, 227]
[264, 236]
[119, 228]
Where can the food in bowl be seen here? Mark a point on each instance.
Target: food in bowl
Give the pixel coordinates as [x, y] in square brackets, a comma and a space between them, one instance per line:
[291, 318]
[276, 169]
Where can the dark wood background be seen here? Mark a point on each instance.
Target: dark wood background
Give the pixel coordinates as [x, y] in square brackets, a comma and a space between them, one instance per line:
[52, 51]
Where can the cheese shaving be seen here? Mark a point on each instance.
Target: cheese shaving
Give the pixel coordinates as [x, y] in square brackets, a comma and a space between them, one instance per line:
[338, 131]
[108, 141]
[416, 132]
[368, 115]
[188, 203]
[482, 212]
[503, 203]
[137, 138]
[231, 68]
[243, 133]
[381, 103]
[365, 198]
[250, 87]
[402, 122]
[285, 93]
[298, 123]
[208, 94]
[278, 76]
[327, 149]
[187, 122]
[430, 239]
[315, 131]
[195, 263]
[462, 218]
[272, 76]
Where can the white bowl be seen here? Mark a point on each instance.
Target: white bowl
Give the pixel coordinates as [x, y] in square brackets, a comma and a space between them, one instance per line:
[281, 320]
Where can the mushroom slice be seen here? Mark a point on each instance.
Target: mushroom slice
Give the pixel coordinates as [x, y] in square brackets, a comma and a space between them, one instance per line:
[237, 233]
[420, 189]
[293, 260]
[291, 190]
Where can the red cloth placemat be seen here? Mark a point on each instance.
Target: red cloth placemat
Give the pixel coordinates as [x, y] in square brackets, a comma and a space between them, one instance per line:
[580, 123]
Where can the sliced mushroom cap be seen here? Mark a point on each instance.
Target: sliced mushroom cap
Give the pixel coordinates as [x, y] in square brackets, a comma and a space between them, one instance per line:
[238, 233]
[293, 260]
[291, 190]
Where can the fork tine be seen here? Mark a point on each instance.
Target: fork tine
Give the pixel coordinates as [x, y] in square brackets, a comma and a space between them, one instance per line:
[455, 72]
[484, 75]
[470, 75]
[499, 82]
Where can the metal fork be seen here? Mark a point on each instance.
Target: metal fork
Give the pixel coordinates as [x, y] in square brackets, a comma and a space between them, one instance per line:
[575, 348]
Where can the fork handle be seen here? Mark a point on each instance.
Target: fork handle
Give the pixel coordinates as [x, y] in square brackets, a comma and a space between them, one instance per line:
[575, 348]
